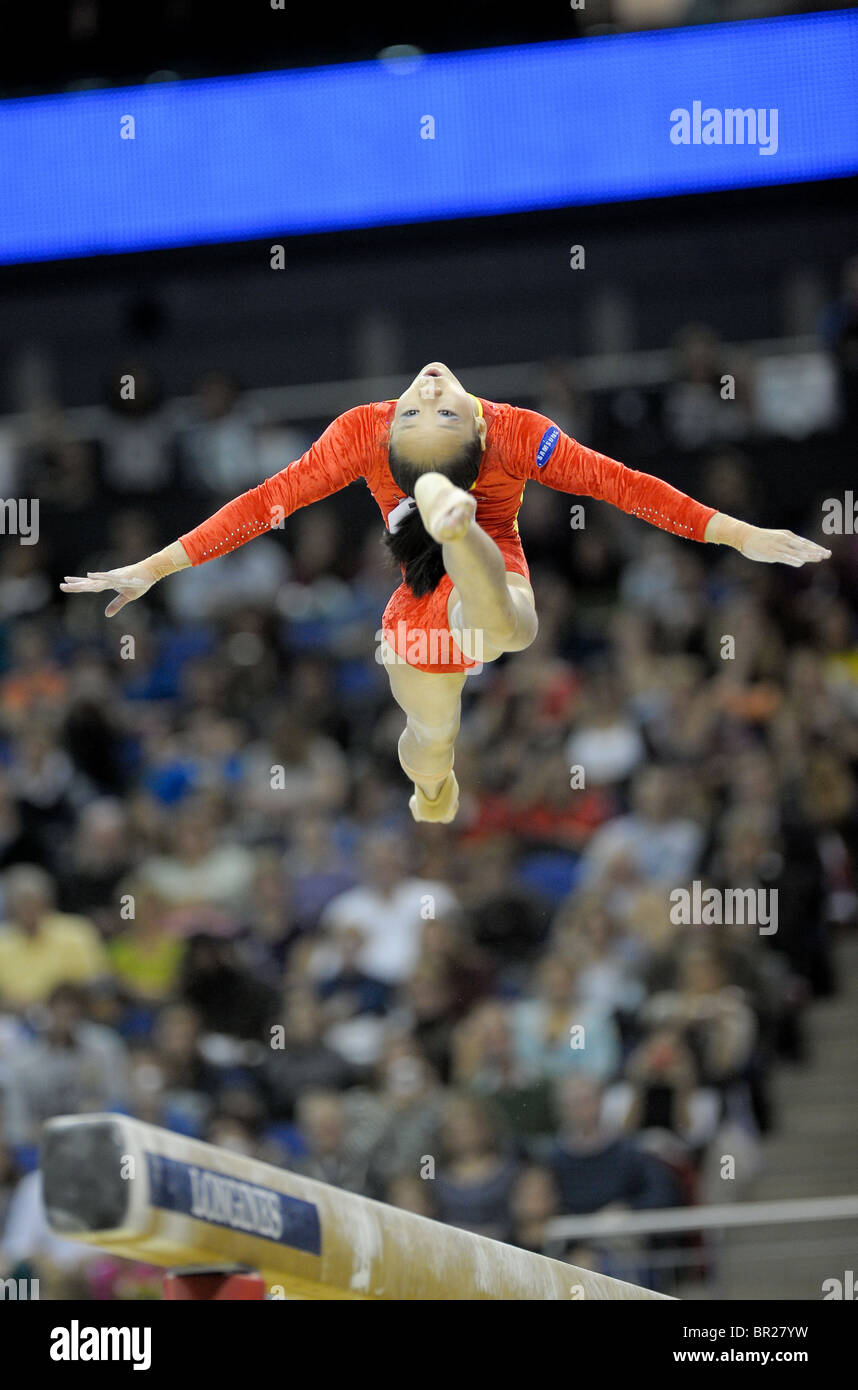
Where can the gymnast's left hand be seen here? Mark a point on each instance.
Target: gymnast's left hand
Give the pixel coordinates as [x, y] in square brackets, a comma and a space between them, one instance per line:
[758, 543]
[782, 547]
[129, 581]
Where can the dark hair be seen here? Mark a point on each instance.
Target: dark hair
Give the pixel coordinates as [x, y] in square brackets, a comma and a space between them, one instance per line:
[410, 546]
[69, 992]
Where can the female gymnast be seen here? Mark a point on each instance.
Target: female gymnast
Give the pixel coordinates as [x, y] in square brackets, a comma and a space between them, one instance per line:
[448, 472]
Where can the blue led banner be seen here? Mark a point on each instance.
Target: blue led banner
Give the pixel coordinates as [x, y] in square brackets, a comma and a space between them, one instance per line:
[454, 135]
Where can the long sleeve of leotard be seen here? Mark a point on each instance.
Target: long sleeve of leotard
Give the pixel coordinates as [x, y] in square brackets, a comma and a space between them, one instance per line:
[538, 449]
[336, 459]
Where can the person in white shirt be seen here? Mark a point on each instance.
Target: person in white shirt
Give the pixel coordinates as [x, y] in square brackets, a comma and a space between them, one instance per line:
[389, 909]
[658, 843]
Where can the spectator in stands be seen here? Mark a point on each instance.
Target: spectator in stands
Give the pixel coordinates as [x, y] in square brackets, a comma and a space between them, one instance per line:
[447, 949]
[227, 997]
[34, 690]
[781, 862]
[29, 1249]
[41, 948]
[558, 1030]
[71, 1066]
[345, 989]
[662, 1091]
[174, 1075]
[697, 411]
[389, 908]
[830, 802]
[268, 927]
[318, 868]
[298, 1058]
[99, 857]
[323, 1125]
[606, 741]
[293, 768]
[486, 1060]
[505, 919]
[474, 1186]
[534, 1201]
[711, 1015]
[139, 453]
[594, 1167]
[19, 844]
[430, 1012]
[397, 1119]
[606, 957]
[218, 452]
[657, 843]
[199, 869]
[144, 954]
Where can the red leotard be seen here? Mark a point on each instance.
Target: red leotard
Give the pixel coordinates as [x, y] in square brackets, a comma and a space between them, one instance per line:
[520, 445]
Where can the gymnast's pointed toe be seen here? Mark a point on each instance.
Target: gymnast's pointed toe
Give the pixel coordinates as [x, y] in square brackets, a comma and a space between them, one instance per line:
[442, 809]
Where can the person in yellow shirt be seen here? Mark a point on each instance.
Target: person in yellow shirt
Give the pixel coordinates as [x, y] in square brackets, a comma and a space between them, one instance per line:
[144, 955]
[40, 947]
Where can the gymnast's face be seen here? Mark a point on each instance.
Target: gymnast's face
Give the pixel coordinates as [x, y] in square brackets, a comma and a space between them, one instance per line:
[434, 418]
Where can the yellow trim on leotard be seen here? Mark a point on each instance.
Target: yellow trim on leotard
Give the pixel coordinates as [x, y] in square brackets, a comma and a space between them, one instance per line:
[518, 508]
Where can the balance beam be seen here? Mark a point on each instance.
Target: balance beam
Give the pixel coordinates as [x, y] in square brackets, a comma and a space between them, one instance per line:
[146, 1194]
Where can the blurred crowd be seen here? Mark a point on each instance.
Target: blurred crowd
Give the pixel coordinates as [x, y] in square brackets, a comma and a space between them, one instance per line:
[217, 915]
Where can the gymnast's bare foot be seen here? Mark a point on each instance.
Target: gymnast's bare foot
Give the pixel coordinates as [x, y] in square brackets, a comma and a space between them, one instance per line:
[447, 511]
[442, 808]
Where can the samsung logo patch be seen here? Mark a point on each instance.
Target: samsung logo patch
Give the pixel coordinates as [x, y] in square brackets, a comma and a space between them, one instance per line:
[547, 445]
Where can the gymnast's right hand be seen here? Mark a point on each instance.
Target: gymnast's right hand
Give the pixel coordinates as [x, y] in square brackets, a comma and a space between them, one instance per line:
[129, 581]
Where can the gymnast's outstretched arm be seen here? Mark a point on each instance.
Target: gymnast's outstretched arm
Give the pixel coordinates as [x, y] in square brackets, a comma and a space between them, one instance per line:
[336, 459]
[539, 450]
